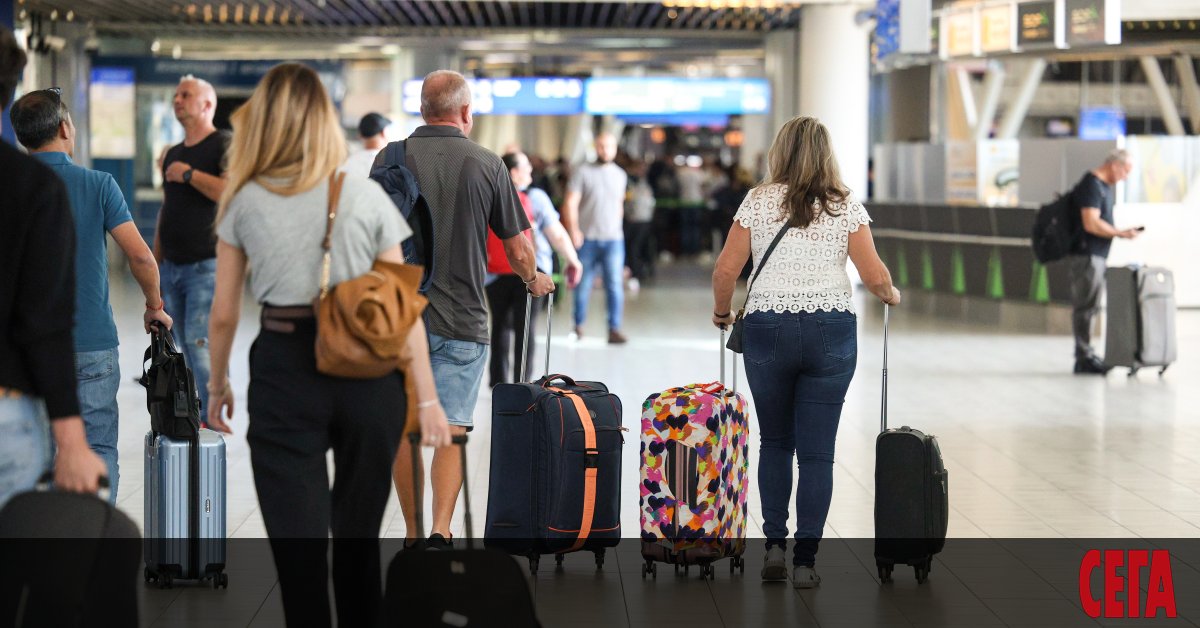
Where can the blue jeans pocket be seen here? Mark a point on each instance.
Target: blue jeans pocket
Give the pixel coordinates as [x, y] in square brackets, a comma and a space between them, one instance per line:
[840, 337]
[458, 352]
[759, 342]
[93, 365]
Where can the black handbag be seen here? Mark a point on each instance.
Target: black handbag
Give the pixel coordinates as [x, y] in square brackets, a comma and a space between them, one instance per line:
[171, 395]
[734, 343]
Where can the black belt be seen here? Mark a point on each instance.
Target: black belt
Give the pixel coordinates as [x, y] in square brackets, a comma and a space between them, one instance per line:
[283, 319]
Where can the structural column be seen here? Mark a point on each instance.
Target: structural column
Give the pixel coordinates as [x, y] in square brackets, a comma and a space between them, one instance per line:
[834, 85]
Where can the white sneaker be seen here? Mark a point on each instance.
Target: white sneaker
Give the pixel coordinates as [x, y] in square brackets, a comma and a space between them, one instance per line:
[774, 565]
[805, 578]
[634, 285]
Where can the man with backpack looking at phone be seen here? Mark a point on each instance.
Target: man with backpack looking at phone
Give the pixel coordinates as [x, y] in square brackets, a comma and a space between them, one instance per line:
[1093, 198]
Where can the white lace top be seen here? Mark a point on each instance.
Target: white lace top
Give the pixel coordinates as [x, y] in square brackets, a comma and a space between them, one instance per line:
[807, 271]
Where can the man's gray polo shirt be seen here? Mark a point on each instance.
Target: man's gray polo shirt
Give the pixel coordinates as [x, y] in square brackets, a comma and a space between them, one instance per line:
[469, 191]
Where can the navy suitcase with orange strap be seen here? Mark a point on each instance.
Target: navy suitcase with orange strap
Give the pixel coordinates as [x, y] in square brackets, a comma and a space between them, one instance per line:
[555, 483]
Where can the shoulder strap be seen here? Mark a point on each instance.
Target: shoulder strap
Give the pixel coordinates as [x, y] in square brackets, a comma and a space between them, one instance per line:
[763, 262]
[335, 193]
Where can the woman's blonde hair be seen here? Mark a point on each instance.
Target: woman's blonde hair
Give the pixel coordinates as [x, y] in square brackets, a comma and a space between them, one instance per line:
[802, 159]
[286, 137]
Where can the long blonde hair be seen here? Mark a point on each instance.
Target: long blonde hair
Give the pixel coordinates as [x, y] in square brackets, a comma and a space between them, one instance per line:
[801, 157]
[286, 137]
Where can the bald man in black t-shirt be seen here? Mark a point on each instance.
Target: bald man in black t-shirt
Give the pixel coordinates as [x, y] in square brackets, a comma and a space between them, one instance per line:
[1093, 196]
[184, 242]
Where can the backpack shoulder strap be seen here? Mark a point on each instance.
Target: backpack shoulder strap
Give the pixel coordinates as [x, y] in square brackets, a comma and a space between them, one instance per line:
[396, 154]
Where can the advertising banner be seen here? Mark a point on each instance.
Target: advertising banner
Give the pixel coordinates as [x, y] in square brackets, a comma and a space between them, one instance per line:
[1039, 25]
[960, 33]
[1092, 22]
[112, 107]
[996, 28]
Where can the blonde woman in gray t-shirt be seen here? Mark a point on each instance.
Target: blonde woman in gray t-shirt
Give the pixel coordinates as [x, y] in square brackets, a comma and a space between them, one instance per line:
[286, 146]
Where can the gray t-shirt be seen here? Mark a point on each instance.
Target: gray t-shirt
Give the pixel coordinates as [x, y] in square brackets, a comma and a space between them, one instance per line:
[469, 191]
[602, 200]
[281, 236]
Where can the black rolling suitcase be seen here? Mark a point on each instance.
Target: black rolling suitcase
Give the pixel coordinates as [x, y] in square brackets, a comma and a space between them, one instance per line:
[1140, 329]
[68, 560]
[482, 588]
[911, 494]
[555, 482]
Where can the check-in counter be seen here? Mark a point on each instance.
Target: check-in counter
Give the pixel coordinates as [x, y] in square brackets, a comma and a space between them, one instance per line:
[971, 263]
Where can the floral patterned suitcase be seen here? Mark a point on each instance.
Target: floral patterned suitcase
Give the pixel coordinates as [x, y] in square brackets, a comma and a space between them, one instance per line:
[694, 477]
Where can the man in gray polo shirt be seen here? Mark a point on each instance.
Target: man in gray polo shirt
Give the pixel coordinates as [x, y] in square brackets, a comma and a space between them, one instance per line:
[595, 208]
[469, 191]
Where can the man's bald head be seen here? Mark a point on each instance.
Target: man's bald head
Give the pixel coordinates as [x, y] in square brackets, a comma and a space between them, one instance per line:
[445, 97]
[195, 101]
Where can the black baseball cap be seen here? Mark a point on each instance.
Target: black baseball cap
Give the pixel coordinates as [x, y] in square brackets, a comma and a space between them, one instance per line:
[372, 124]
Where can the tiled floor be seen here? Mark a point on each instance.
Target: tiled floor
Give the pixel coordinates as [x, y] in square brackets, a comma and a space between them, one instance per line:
[1033, 452]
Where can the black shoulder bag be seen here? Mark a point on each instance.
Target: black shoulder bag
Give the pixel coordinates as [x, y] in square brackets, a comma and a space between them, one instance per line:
[734, 343]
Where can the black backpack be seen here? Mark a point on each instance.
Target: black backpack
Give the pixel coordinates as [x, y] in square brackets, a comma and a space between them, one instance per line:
[401, 185]
[1057, 230]
[171, 395]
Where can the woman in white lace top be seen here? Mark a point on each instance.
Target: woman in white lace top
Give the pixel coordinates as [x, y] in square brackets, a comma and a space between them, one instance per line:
[800, 332]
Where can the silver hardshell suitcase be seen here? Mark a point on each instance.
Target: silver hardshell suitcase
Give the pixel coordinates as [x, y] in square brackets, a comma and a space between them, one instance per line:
[185, 535]
[1141, 318]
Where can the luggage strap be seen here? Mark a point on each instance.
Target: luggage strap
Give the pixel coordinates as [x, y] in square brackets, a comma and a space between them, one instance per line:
[591, 467]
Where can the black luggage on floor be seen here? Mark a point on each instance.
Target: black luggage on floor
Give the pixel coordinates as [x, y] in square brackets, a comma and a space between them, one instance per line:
[911, 494]
[1140, 329]
[67, 560]
[481, 588]
[555, 482]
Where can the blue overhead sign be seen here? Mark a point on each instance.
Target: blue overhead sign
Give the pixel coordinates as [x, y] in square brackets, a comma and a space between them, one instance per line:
[646, 96]
[545, 96]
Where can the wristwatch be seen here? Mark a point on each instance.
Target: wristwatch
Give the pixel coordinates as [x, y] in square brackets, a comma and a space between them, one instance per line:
[187, 175]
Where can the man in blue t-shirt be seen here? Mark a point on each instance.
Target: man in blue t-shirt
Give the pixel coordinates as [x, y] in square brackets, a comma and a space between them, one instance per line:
[1093, 196]
[43, 125]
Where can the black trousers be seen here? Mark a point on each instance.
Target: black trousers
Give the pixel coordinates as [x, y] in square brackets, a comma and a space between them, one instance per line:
[506, 301]
[296, 416]
[640, 249]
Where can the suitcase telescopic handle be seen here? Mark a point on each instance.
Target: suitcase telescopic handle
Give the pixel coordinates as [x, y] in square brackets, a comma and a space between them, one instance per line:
[883, 402]
[723, 350]
[549, 326]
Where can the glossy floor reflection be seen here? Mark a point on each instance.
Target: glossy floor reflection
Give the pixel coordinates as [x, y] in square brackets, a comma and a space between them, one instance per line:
[1032, 451]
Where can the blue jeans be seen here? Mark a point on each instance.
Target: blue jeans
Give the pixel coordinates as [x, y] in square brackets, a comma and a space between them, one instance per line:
[799, 367]
[98, 374]
[24, 445]
[607, 257]
[187, 292]
[457, 372]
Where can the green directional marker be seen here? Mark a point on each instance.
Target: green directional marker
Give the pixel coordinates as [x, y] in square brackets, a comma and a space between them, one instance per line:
[995, 285]
[926, 268]
[958, 274]
[1039, 286]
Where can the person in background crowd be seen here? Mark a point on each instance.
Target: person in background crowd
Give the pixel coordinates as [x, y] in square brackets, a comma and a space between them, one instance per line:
[184, 243]
[44, 126]
[692, 182]
[540, 174]
[37, 306]
[1093, 196]
[800, 335]
[286, 149]
[371, 131]
[505, 292]
[728, 198]
[639, 226]
[469, 191]
[593, 212]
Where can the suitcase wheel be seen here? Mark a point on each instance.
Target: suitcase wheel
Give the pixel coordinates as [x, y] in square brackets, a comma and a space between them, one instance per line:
[533, 565]
[737, 563]
[1132, 371]
[558, 561]
[1161, 371]
[600, 559]
[148, 575]
[166, 581]
[885, 573]
[220, 581]
[922, 570]
[650, 568]
[707, 572]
